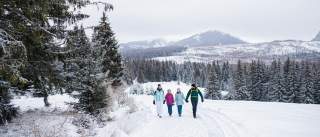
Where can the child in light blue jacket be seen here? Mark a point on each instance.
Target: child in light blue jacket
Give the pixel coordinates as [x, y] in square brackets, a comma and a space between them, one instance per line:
[159, 100]
[179, 98]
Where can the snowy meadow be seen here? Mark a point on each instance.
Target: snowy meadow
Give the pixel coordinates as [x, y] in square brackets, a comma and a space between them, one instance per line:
[216, 118]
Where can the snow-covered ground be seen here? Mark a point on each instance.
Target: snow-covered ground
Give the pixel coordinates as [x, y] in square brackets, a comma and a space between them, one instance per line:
[221, 119]
[215, 119]
[36, 120]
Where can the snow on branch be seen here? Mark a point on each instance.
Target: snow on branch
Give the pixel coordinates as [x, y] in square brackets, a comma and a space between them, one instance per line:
[27, 20]
[107, 6]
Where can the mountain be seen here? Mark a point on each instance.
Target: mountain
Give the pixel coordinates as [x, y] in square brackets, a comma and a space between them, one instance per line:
[156, 43]
[317, 38]
[215, 45]
[201, 39]
[266, 51]
[209, 38]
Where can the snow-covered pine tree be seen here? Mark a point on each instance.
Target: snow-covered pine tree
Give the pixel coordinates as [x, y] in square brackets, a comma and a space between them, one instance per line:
[27, 22]
[276, 86]
[225, 75]
[240, 89]
[127, 74]
[316, 82]
[288, 80]
[79, 69]
[257, 79]
[307, 85]
[212, 90]
[105, 40]
[7, 110]
[141, 77]
[107, 71]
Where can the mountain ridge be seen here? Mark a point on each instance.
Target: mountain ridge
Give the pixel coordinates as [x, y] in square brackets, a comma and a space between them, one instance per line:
[211, 37]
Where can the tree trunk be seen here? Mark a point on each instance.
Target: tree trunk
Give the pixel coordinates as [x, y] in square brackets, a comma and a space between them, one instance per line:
[45, 100]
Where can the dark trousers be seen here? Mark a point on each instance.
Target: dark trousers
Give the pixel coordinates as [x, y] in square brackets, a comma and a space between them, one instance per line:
[170, 109]
[179, 109]
[194, 107]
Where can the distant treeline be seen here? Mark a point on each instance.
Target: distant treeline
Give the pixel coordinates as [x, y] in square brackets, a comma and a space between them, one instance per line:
[287, 81]
[151, 52]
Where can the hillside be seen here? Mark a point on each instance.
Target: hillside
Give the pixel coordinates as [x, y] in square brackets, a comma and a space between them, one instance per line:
[265, 51]
[216, 45]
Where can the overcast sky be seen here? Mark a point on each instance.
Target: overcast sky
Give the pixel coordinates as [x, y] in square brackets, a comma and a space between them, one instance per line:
[250, 20]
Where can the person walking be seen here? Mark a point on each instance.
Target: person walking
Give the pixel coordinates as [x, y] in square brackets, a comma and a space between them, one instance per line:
[159, 100]
[179, 98]
[194, 92]
[170, 101]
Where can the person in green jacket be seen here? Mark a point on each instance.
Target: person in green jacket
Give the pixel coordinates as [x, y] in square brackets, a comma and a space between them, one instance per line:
[194, 92]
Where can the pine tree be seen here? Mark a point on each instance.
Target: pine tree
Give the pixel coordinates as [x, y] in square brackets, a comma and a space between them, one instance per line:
[276, 84]
[307, 85]
[316, 82]
[141, 77]
[225, 75]
[30, 37]
[106, 48]
[257, 80]
[288, 94]
[212, 90]
[103, 72]
[240, 88]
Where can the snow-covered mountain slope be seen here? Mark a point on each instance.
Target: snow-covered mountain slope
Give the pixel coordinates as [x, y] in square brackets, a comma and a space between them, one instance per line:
[265, 51]
[205, 38]
[217, 119]
[209, 38]
[156, 43]
[317, 38]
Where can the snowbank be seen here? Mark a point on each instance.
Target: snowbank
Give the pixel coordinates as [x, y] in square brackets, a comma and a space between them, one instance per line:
[58, 102]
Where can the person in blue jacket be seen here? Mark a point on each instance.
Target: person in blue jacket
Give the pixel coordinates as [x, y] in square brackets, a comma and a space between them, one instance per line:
[159, 100]
[194, 92]
[179, 98]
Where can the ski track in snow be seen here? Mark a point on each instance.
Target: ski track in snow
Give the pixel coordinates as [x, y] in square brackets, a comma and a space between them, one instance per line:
[210, 123]
[229, 127]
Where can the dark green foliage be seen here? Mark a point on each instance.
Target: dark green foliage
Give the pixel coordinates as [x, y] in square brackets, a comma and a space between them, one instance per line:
[212, 90]
[31, 35]
[106, 51]
[276, 87]
[7, 111]
[97, 68]
[240, 91]
[27, 23]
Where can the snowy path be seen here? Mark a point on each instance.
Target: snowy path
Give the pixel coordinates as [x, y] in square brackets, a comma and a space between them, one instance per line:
[218, 119]
[210, 123]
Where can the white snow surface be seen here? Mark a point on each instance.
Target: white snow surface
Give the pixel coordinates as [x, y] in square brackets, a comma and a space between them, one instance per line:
[218, 119]
[57, 102]
[215, 118]
[36, 120]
